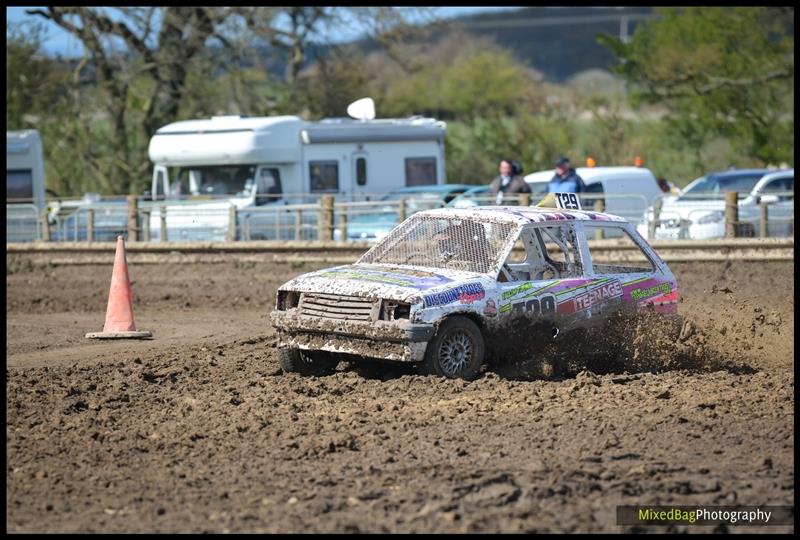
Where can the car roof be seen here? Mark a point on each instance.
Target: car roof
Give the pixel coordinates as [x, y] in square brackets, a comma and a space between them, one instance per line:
[521, 215]
[739, 172]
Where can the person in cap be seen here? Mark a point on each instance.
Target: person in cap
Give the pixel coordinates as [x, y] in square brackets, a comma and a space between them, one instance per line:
[565, 179]
[509, 181]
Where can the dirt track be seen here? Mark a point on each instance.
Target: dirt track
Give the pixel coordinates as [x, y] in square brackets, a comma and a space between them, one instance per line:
[198, 430]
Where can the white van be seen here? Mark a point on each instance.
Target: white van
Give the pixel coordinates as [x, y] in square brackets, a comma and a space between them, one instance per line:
[625, 191]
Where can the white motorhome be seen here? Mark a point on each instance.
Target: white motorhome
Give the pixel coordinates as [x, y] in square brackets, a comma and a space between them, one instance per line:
[25, 192]
[249, 162]
[25, 168]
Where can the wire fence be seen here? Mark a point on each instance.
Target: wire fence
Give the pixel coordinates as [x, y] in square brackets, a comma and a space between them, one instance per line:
[323, 217]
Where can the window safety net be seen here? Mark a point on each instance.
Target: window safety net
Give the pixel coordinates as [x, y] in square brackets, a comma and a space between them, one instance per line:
[446, 243]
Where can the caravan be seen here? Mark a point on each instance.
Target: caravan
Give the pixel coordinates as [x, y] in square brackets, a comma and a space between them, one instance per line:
[250, 162]
[25, 192]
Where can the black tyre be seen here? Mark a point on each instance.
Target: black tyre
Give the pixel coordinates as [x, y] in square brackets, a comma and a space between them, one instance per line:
[307, 363]
[456, 351]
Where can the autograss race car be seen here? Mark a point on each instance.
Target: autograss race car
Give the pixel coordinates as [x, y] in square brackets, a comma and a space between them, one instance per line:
[449, 289]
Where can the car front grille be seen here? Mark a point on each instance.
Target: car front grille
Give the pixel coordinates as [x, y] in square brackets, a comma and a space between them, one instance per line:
[337, 307]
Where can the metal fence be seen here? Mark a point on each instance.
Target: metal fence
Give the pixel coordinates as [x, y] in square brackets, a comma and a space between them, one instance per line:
[22, 223]
[329, 219]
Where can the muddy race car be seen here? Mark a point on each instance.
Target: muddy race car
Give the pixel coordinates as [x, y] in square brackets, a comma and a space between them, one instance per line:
[449, 289]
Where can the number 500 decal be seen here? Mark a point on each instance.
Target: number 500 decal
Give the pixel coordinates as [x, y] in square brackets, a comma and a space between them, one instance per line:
[545, 305]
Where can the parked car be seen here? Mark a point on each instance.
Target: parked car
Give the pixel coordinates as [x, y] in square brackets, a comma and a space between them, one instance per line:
[699, 212]
[375, 224]
[445, 290]
[625, 191]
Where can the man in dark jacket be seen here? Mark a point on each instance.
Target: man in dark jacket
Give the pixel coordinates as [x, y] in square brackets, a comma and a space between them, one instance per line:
[509, 182]
[565, 180]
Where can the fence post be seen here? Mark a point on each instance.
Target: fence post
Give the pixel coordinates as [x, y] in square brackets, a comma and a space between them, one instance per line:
[401, 210]
[326, 218]
[656, 216]
[763, 216]
[343, 225]
[524, 199]
[298, 223]
[146, 224]
[162, 229]
[599, 206]
[90, 225]
[133, 217]
[45, 226]
[231, 237]
[731, 213]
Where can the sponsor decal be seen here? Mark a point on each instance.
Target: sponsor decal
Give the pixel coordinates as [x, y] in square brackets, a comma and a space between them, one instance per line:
[594, 296]
[490, 309]
[639, 294]
[406, 272]
[403, 277]
[466, 294]
[517, 290]
[381, 278]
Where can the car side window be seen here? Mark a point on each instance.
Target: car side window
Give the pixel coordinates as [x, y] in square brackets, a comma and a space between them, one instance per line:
[559, 250]
[781, 187]
[636, 260]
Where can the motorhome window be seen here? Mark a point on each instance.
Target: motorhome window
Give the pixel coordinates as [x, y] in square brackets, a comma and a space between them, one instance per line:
[268, 186]
[361, 171]
[19, 185]
[215, 180]
[420, 171]
[324, 175]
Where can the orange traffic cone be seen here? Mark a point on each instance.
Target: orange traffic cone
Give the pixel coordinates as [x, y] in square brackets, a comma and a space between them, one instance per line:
[119, 314]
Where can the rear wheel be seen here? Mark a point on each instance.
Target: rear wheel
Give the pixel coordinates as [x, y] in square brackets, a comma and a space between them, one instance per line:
[315, 363]
[456, 351]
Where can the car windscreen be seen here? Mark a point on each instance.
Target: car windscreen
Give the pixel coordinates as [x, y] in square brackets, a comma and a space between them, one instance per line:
[443, 242]
[714, 186]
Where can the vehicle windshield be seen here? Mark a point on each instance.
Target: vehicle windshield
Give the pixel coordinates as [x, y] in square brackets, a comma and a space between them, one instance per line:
[447, 243]
[215, 180]
[714, 186]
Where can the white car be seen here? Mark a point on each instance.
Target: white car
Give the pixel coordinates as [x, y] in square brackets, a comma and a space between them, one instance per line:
[699, 212]
[450, 288]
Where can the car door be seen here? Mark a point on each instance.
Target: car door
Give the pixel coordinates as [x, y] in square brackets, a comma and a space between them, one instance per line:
[636, 282]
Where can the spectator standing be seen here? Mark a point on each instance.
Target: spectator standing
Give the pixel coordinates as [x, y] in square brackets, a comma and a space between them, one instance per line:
[565, 179]
[509, 182]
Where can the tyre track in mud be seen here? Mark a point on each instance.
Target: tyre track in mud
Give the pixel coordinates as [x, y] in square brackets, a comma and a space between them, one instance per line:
[200, 431]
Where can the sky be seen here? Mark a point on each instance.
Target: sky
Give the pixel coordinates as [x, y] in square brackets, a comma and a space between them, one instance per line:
[61, 43]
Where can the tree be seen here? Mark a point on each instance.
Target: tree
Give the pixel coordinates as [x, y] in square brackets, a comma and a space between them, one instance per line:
[725, 72]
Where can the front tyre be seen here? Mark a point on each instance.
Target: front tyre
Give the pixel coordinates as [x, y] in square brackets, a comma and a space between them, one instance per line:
[456, 351]
[307, 363]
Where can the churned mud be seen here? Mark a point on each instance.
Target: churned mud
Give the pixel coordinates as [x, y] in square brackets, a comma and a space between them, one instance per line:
[198, 429]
